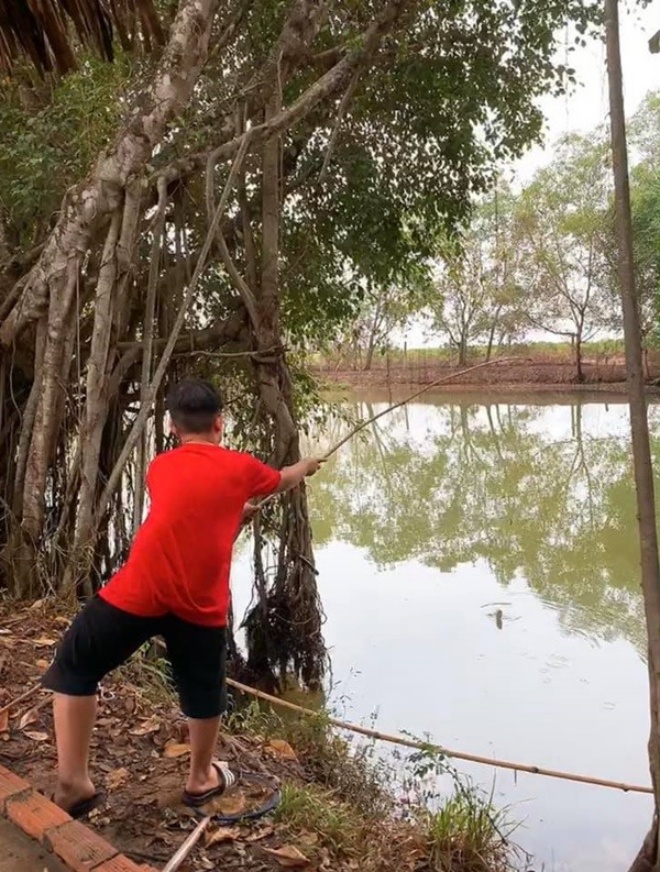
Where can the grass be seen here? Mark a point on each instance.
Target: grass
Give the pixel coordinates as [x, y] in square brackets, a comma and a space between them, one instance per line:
[352, 774]
[310, 809]
[468, 834]
[344, 810]
[350, 808]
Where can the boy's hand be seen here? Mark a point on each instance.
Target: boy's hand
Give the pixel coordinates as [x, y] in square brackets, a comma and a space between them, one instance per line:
[313, 465]
[249, 511]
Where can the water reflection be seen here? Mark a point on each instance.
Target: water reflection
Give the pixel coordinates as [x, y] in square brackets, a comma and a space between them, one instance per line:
[454, 483]
[478, 567]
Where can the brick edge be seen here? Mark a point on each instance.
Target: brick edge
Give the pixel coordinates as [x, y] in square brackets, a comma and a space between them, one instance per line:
[78, 847]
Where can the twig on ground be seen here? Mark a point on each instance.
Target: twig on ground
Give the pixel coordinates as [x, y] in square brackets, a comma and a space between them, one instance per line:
[14, 702]
[187, 847]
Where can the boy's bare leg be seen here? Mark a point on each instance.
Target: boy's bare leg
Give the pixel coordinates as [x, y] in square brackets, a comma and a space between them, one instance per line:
[74, 721]
[203, 739]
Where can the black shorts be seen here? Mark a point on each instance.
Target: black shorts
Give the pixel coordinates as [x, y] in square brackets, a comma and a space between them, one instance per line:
[103, 637]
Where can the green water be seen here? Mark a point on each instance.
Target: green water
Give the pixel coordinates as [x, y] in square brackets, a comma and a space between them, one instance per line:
[478, 566]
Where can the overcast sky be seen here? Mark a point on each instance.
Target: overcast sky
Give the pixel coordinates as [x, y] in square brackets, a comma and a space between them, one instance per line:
[587, 106]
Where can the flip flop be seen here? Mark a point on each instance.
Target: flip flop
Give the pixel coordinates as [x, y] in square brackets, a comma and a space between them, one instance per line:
[226, 780]
[83, 807]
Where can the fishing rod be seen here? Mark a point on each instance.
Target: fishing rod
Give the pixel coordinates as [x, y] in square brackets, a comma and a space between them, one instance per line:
[418, 393]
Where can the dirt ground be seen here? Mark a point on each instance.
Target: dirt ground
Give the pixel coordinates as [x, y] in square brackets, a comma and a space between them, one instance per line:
[139, 759]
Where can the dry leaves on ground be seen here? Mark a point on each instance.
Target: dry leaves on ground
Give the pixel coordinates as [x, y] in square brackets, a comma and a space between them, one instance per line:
[223, 834]
[172, 750]
[281, 749]
[116, 778]
[31, 716]
[152, 725]
[288, 856]
[36, 736]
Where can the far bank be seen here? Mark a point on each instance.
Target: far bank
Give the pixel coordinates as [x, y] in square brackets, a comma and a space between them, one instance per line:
[531, 372]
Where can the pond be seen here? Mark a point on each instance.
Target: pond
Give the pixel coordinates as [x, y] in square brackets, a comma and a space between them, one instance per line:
[478, 566]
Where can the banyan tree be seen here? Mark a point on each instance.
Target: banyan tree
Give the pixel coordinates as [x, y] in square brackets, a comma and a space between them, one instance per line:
[208, 186]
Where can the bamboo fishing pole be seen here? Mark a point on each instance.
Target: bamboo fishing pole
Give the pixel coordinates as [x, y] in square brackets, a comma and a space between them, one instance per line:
[418, 393]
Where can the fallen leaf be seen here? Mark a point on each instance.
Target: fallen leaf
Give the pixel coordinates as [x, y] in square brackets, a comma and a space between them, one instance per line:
[260, 834]
[43, 642]
[36, 736]
[4, 721]
[31, 716]
[230, 804]
[282, 749]
[175, 750]
[37, 604]
[288, 856]
[63, 622]
[223, 834]
[5, 632]
[146, 727]
[116, 778]
[43, 664]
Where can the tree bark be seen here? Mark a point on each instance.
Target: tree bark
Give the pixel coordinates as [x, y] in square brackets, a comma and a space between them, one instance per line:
[284, 628]
[579, 370]
[87, 208]
[642, 462]
[51, 289]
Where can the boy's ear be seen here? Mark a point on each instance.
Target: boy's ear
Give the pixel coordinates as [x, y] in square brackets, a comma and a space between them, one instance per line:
[218, 424]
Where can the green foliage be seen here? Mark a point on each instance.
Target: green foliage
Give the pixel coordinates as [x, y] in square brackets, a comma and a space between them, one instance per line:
[565, 236]
[412, 152]
[645, 201]
[478, 294]
[46, 148]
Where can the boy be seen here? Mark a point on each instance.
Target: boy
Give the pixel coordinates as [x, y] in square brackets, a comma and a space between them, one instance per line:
[175, 583]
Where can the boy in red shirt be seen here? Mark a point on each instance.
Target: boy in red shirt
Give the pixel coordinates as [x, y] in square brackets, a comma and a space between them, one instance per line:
[175, 584]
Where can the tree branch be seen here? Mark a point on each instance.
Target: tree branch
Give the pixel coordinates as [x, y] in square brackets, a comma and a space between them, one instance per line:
[86, 208]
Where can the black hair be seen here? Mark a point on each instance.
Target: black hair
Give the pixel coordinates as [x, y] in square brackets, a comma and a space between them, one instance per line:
[194, 404]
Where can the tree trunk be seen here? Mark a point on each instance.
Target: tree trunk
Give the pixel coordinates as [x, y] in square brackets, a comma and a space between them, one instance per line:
[284, 628]
[648, 858]
[51, 292]
[463, 351]
[579, 371]
[369, 358]
[491, 335]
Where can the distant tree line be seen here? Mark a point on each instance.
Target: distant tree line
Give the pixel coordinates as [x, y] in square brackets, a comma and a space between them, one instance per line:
[540, 260]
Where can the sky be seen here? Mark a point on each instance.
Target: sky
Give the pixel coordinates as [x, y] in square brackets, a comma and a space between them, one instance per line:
[584, 108]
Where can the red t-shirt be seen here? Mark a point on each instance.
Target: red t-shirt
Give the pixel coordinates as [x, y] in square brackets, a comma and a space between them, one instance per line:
[181, 556]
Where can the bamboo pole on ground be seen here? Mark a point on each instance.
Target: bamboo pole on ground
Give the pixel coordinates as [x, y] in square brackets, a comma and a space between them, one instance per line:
[406, 742]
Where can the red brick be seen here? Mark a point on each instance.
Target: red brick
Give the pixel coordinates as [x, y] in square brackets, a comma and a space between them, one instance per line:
[35, 814]
[121, 864]
[10, 785]
[78, 847]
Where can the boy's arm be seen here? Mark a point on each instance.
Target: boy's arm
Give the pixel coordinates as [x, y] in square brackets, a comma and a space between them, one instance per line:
[291, 476]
